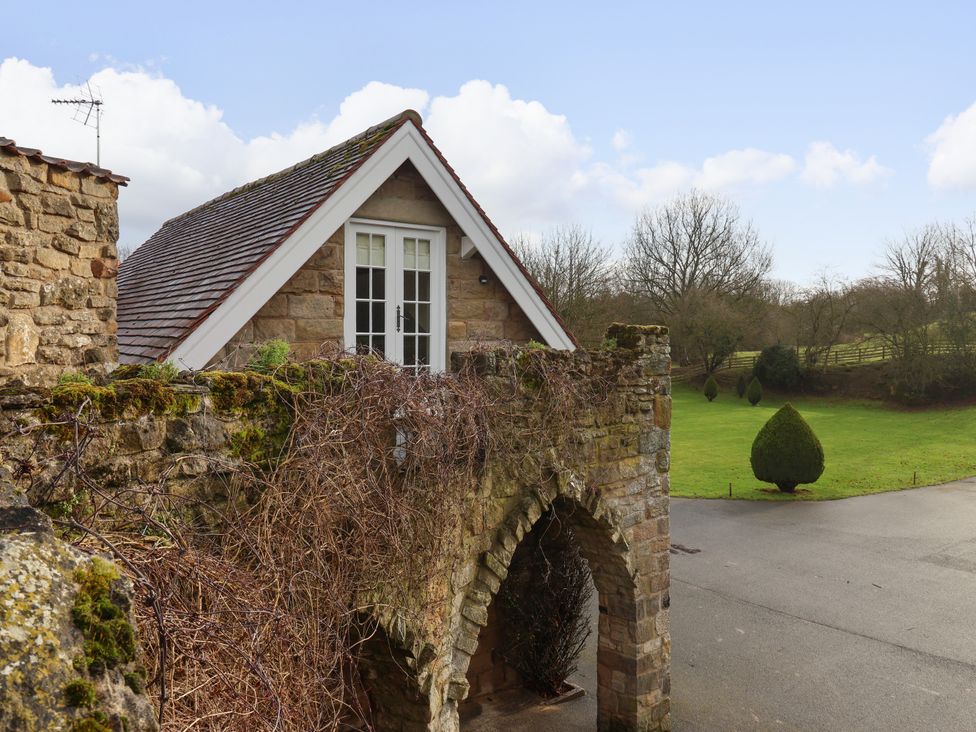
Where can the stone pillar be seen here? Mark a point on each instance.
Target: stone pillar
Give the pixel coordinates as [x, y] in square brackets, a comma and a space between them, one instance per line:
[613, 489]
[634, 657]
[58, 230]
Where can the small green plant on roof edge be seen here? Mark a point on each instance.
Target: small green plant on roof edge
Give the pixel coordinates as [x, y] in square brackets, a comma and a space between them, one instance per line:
[711, 388]
[786, 452]
[162, 372]
[270, 355]
[754, 392]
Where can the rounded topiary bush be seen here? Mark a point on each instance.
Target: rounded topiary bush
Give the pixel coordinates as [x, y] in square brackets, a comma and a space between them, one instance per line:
[711, 388]
[740, 386]
[778, 367]
[786, 451]
[754, 392]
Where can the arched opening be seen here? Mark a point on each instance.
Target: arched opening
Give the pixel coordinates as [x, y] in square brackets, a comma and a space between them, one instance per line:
[388, 696]
[617, 670]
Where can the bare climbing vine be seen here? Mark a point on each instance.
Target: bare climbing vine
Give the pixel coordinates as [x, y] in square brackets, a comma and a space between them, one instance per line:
[262, 584]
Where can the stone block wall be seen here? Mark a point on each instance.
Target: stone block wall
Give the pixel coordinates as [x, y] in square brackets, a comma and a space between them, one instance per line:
[308, 310]
[613, 484]
[58, 233]
[615, 487]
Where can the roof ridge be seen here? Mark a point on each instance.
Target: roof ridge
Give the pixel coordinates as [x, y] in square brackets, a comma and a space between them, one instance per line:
[383, 126]
[10, 146]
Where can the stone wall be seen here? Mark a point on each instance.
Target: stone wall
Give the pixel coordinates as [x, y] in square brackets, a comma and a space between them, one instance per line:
[42, 684]
[58, 232]
[308, 310]
[612, 483]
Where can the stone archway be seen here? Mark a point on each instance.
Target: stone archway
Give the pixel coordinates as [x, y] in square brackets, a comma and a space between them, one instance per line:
[633, 643]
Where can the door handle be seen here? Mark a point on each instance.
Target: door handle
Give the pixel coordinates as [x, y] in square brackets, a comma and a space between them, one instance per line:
[397, 318]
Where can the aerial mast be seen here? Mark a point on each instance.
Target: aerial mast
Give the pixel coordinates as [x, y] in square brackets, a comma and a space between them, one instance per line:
[85, 108]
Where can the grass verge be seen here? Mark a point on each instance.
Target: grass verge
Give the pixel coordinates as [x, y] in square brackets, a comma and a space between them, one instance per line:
[869, 447]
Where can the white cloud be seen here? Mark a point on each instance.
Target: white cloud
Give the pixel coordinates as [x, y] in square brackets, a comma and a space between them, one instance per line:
[748, 166]
[953, 145]
[523, 162]
[621, 140]
[728, 171]
[178, 151]
[825, 165]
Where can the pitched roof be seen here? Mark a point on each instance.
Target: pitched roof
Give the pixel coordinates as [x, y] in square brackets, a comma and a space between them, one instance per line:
[173, 281]
[9, 146]
[182, 274]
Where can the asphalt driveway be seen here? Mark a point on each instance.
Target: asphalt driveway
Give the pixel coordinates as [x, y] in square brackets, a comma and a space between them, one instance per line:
[845, 615]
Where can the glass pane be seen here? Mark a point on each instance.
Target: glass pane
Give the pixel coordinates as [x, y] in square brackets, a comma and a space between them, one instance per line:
[409, 317]
[379, 345]
[409, 350]
[409, 253]
[423, 349]
[379, 310]
[362, 283]
[379, 284]
[423, 254]
[423, 291]
[409, 286]
[378, 251]
[423, 319]
[362, 248]
[362, 344]
[362, 317]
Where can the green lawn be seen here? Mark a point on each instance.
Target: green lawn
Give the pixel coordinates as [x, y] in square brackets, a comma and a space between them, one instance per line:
[869, 447]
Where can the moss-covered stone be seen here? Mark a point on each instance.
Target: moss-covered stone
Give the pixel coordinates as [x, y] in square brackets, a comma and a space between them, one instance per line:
[235, 390]
[629, 336]
[44, 667]
[109, 637]
[94, 722]
[121, 398]
[253, 444]
[136, 680]
[80, 693]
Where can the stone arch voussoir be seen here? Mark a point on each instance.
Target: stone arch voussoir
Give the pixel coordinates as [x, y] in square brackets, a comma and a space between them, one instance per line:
[594, 516]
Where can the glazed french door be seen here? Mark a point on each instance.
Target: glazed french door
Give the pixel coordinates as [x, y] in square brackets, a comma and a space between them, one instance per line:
[395, 304]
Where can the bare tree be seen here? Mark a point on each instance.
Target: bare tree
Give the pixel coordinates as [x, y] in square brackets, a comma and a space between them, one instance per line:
[696, 263]
[574, 270]
[695, 243]
[909, 280]
[821, 315]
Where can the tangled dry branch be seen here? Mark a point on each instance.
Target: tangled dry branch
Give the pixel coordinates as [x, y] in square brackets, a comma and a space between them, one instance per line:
[262, 589]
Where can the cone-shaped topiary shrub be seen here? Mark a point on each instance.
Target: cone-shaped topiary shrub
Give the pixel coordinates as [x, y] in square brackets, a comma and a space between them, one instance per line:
[786, 452]
[711, 388]
[740, 386]
[754, 392]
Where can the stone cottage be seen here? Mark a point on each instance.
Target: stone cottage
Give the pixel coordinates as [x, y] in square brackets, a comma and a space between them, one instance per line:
[373, 245]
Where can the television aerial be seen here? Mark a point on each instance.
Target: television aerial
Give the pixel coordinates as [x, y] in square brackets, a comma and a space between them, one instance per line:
[88, 111]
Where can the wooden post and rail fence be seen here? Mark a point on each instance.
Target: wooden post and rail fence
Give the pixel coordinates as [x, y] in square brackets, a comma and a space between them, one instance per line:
[843, 355]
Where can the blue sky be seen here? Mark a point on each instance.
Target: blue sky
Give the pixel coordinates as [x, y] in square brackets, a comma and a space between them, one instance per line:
[674, 84]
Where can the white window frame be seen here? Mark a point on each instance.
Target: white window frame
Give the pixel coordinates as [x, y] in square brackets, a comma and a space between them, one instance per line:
[395, 232]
